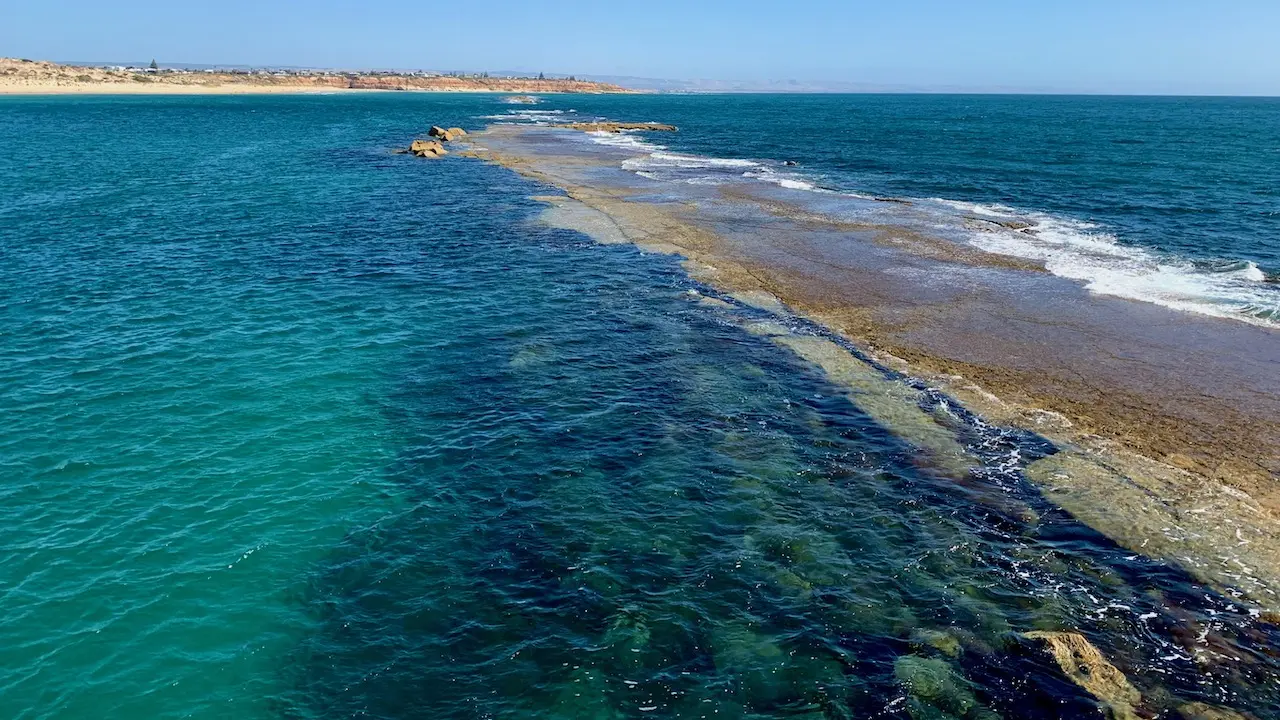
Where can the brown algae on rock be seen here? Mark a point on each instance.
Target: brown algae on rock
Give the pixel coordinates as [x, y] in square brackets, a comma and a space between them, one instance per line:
[936, 691]
[894, 405]
[1085, 666]
[1146, 506]
[1213, 531]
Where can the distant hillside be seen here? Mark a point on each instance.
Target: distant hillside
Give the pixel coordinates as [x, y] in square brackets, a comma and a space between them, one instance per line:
[27, 76]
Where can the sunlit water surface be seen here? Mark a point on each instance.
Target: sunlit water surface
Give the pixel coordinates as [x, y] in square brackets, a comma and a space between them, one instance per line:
[295, 427]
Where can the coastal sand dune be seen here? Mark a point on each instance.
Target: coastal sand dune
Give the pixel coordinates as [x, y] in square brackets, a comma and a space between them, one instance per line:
[38, 78]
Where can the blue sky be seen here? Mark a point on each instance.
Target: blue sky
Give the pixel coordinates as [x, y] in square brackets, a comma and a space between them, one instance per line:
[1126, 46]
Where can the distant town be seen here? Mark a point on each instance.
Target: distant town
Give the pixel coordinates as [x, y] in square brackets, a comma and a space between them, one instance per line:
[42, 77]
[269, 71]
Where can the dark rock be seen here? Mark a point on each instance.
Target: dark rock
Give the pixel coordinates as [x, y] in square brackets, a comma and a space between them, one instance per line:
[1006, 224]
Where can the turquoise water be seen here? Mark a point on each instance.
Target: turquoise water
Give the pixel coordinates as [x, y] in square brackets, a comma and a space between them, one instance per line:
[295, 427]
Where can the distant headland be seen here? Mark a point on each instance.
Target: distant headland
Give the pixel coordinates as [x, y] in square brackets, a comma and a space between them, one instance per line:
[40, 77]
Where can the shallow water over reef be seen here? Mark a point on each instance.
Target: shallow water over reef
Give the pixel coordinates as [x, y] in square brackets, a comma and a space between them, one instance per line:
[316, 431]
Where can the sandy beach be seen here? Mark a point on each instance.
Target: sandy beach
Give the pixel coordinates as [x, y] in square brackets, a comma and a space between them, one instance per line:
[164, 89]
[26, 77]
[1165, 423]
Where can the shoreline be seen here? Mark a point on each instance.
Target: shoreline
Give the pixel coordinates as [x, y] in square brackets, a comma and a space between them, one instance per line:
[170, 89]
[250, 89]
[27, 77]
[49, 90]
[1153, 466]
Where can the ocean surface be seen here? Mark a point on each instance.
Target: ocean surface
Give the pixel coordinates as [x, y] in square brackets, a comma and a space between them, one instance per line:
[1168, 200]
[295, 427]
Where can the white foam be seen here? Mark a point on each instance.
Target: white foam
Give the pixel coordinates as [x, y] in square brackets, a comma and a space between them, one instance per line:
[682, 168]
[796, 184]
[694, 161]
[623, 140]
[705, 180]
[786, 180]
[1084, 252]
[1251, 272]
[536, 117]
[991, 210]
[658, 160]
[1069, 248]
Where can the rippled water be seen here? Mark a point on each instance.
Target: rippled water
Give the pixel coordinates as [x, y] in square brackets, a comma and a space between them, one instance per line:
[1196, 176]
[295, 427]
[1165, 200]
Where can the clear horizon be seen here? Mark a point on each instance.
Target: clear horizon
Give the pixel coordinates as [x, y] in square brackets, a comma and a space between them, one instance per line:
[1133, 47]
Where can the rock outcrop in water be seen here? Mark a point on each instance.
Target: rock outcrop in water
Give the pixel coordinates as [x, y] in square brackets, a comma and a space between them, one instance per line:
[1204, 711]
[992, 223]
[427, 149]
[448, 135]
[617, 127]
[936, 690]
[435, 148]
[1085, 666]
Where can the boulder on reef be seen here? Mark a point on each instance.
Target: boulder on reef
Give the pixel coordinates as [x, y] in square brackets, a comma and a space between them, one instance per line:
[1085, 666]
[427, 148]
[446, 135]
[936, 691]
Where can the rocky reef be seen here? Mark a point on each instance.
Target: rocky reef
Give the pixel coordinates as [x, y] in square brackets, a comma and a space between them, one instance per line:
[434, 147]
[427, 149]
[1084, 665]
[617, 127]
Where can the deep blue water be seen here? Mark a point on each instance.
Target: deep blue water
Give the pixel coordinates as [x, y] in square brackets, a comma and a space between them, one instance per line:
[1168, 200]
[1199, 176]
[296, 427]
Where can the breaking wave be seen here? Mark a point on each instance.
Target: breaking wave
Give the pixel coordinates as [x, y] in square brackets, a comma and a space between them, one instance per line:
[1088, 253]
[1082, 251]
[1074, 249]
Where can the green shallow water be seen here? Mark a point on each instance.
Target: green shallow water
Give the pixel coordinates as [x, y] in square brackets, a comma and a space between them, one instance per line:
[295, 427]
